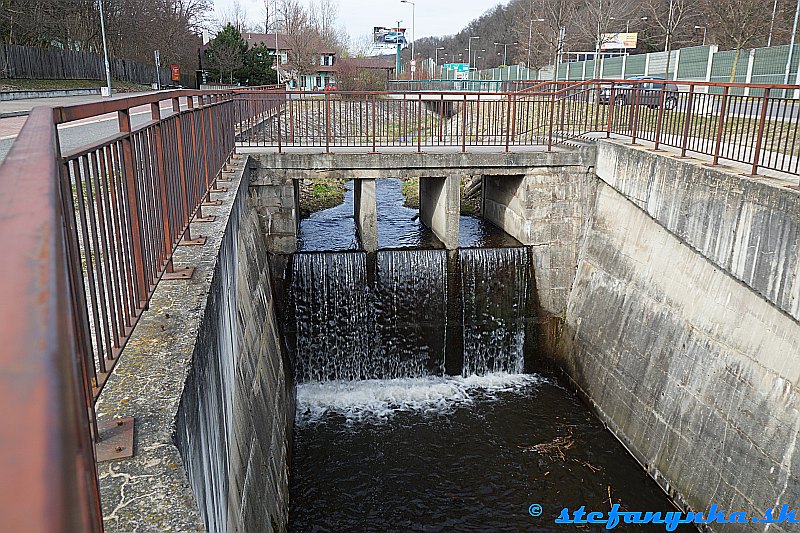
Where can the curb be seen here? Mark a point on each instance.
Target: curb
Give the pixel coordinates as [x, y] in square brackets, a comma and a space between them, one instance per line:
[12, 114]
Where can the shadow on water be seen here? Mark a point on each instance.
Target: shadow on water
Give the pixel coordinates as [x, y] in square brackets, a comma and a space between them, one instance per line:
[413, 413]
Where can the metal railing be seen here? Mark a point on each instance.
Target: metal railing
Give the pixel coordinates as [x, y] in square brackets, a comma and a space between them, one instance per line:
[88, 235]
[750, 124]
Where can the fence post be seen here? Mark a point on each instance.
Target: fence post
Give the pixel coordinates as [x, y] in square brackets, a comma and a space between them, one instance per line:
[327, 123]
[660, 118]
[552, 110]
[155, 114]
[635, 111]
[419, 123]
[759, 139]
[720, 124]
[611, 105]
[687, 119]
[140, 277]
[464, 126]
[374, 124]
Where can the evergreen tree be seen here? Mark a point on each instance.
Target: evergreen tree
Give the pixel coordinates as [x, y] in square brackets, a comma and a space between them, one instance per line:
[258, 67]
[226, 54]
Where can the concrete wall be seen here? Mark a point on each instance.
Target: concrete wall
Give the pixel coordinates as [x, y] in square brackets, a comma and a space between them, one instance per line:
[749, 227]
[276, 199]
[548, 209]
[206, 380]
[693, 370]
[234, 423]
[366, 213]
[440, 207]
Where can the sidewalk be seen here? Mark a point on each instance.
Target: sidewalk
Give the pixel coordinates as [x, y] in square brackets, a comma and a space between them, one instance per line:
[9, 108]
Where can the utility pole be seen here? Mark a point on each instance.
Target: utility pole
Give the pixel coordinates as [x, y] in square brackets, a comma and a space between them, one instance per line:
[772, 23]
[413, 30]
[791, 48]
[105, 46]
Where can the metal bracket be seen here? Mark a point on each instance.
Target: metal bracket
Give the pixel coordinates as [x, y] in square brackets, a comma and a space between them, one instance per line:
[212, 202]
[219, 190]
[116, 440]
[198, 241]
[207, 218]
[179, 273]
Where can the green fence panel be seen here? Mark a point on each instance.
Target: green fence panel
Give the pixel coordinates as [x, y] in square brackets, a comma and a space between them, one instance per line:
[634, 65]
[693, 63]
[612, 68]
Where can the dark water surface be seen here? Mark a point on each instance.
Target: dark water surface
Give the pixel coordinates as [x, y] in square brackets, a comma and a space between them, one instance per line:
[398, 226]
[422, 459]
[385, 440]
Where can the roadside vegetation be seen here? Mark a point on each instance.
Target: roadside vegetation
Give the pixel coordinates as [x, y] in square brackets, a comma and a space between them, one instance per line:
[470, 194]
[320, 193]
[8, 84]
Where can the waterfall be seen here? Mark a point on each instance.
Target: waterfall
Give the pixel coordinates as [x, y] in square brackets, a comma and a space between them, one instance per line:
[352, 327]
[494, 286]
[385, 315]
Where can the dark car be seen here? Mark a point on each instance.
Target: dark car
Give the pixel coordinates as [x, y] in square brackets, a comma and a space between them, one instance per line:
[648, 92]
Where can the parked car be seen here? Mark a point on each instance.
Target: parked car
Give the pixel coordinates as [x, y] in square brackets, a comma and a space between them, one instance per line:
[649, 92]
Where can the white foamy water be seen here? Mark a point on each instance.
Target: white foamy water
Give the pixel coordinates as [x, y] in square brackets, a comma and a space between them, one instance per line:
[377, 400]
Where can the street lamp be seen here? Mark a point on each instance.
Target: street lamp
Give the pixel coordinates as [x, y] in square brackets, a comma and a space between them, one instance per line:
[704, 32]
[469, 50]
[105, 47]
[627, 22]
[530, 34]
[413, 29]
[436, 58]
[505, 50]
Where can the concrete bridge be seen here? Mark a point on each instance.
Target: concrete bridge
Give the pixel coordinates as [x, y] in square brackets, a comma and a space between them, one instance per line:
[668, 290]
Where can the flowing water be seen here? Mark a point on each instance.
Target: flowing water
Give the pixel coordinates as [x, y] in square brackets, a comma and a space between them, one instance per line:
[413, 409]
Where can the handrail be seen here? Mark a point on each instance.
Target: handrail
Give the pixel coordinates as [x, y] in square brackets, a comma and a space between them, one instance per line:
[47, 455]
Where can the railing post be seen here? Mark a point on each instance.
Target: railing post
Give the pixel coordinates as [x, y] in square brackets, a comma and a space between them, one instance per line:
[550, 128]
[687, 120]
[759, 139]
[327, 123]
[508, 121]
[140, 277]
[374, 124]
[419, 123]
[464, 126]
[155, 114]
[720, 124]
[278, 125]
[611, 105]
[660, 114]
[635, 111]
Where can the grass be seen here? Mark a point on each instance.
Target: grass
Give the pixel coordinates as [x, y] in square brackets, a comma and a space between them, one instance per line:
[8, 84]
[322, 193]
[410, 188]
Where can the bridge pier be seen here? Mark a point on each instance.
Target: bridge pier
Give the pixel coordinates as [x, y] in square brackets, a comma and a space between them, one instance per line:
[366, 212]
[440, 207]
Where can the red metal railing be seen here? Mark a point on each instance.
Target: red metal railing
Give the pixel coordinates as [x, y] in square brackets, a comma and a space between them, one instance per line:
[751, 124]
[87, 235]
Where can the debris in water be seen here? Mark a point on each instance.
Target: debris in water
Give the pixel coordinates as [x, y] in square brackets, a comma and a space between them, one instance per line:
[554, 449]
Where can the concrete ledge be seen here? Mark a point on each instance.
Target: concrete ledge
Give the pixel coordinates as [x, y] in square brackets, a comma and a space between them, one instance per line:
[24, 95]
[150, 491]
[393, 165]
[748, 226]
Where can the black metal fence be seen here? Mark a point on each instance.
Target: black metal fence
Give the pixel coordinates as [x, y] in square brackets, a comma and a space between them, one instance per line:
[56, 64]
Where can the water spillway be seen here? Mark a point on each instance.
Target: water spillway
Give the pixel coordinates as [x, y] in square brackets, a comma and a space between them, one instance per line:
[389, 315]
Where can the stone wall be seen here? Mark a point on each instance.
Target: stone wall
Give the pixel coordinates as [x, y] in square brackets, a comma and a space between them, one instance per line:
[693, 370]
[235, 417]
[546, 208]
[205, 377]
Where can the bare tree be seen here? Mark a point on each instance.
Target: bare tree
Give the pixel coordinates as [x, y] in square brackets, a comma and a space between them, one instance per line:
[737, 24]
[301, 36]
[542, 25]
[670, 16]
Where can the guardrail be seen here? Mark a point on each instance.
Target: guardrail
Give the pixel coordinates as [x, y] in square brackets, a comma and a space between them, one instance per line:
[87, 235]
[751, 124]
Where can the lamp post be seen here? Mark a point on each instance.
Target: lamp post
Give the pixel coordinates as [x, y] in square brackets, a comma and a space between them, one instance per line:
[413, 29]
[469, 52]
[704, 33]
[436, 59]
[505, 50]
[105, 46]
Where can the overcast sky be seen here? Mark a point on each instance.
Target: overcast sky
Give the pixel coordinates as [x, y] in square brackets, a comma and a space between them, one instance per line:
[433, 17]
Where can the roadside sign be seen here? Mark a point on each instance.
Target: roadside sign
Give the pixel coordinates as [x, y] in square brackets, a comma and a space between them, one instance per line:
[457, 67]
[176, 72]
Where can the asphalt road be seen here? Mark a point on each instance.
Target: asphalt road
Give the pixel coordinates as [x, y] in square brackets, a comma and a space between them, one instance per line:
[73, 135]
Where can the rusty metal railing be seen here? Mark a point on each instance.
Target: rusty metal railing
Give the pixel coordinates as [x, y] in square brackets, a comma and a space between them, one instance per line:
[87, 235]
[750, 124]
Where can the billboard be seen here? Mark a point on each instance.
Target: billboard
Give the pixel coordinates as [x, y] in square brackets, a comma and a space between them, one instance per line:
[618, 41]
[389, 36]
